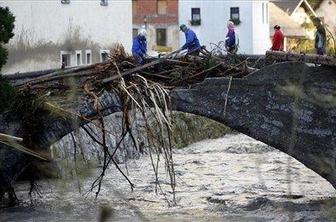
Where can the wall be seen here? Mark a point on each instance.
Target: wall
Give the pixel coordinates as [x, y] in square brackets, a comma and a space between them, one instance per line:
[172, 36]
[327, 11]
[253, 37]
[146, 15]
[261, 23]
[148, 9]
[45, 28]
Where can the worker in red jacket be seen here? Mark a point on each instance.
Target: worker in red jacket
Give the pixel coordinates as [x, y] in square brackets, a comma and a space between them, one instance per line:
[278, 39]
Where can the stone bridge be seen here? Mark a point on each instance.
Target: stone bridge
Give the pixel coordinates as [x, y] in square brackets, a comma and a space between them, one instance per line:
[290, 106]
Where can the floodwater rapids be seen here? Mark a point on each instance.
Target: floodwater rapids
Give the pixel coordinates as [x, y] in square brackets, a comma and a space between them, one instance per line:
[234, 178]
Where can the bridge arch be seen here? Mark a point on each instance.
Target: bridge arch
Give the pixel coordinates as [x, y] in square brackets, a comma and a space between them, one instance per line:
[290, 106]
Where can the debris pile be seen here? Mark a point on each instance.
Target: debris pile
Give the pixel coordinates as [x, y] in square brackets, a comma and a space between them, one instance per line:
[168, 71]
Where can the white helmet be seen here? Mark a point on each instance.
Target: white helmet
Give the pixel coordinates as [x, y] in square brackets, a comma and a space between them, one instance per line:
[142, 32]
[230, 24]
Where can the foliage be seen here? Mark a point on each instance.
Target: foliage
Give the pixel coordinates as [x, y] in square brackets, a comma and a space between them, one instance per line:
[331, 42]
[7, 94]
[313, 3]
[302, 45]
[195, 22]
[308, 45]
[188, 129]
[6, 32]
[3, 56]
[308, 25]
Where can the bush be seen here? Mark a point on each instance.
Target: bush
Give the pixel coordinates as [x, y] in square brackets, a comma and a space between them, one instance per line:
[6, 33]
[7, 95]
[7, 20]
[195, 22]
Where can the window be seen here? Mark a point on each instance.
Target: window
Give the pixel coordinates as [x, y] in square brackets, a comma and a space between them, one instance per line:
[103, 2]
[135, 6]
[65, 59]
[195, 16]
[65, 1]
[88, 57]
[78, 57]
[234, 13]
[161, 37]
[162, 7]
[104, 55]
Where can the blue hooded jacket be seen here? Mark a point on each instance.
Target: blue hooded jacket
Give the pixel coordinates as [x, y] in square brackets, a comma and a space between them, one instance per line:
[192, 42]
[139, 46]
[230, 39]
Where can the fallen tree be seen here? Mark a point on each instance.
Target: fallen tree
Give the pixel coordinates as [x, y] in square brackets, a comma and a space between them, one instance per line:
[301, 57]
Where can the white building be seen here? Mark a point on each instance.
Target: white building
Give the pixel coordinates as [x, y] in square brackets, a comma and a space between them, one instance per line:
[70, 32]
[212, 15]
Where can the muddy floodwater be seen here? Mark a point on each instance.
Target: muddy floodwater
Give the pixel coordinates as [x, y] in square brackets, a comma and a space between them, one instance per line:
[234, 178]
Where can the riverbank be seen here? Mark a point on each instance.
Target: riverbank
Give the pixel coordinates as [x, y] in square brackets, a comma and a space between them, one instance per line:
[234, 178]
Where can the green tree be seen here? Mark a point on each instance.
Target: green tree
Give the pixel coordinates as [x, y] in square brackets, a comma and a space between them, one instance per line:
[7, 20]
[313, 3]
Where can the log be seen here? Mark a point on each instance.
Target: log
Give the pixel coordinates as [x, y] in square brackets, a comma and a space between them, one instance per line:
[306, 58]
[200, 73]
[15, 143]
[60, 74]
[131, 71]
[45, 79]
[6, 137]
[140, 68]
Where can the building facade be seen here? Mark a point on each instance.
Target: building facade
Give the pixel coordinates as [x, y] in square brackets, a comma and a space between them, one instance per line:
[49, 34]
[160, 19]
[209, 20]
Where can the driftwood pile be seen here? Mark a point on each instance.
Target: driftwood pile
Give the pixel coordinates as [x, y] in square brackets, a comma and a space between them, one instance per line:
[169, 72]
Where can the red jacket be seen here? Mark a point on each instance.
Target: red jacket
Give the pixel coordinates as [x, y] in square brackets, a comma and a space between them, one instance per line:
[278, 41]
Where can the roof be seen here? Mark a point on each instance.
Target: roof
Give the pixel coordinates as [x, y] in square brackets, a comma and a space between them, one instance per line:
[289, 27]
[289, 6]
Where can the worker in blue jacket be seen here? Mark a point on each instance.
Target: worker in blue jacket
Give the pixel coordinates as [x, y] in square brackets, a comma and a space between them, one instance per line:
[192, 43]
[139, 47]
